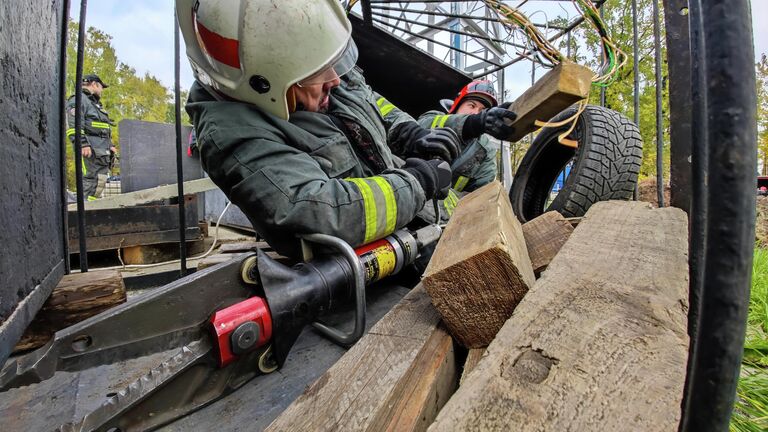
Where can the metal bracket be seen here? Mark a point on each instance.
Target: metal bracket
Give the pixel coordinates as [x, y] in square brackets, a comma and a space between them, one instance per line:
[349, 255]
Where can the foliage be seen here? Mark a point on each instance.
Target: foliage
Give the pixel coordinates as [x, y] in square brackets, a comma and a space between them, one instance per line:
[619, 96]
[129, 96]
[751, 409]
[761, 69]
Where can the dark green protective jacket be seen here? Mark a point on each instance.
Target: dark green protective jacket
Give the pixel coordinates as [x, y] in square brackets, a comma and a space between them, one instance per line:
[304, 175]
[96, 123]
[476, 164]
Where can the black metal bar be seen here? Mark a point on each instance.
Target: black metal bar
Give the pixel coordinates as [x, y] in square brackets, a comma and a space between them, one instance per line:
[602, 88]
[79, 137]
[725, 64]
[636, 76]
[366, 6]
[382, 22]
[659, 111]
[679, 70]
[698, 214]
[450, 30]
[63, 143]
[179, 168]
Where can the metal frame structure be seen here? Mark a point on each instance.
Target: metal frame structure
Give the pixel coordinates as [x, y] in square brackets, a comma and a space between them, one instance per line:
[722, 94]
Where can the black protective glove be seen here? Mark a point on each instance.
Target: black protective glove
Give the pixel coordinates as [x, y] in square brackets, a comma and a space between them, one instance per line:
[413, 140]
[494, 121]
[434, 176]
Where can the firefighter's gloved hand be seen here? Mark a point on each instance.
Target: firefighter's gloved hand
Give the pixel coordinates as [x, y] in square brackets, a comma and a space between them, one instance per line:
[417, 141]
[434, 176]
[496, 121]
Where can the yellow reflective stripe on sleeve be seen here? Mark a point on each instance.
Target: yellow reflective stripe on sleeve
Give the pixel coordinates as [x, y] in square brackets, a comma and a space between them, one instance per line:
[100, 125]
[369, 206]
[434, 121]
[380, 102]
[461, 183]
[390, 205]
[450, 202]
[443, 120]
[71, 131]
[386, 109]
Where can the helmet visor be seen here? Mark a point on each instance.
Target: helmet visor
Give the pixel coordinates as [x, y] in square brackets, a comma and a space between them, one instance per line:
[336, 68]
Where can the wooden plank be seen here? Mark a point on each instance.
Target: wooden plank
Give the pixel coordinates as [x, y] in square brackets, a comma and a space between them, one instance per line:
[148, 195]
[473, 358]
[480, 269]
[564, 85]
[156, 253]
[544, 236]
[134, 239]
[76, 297]
[245, 246]
[405, 356]
[423, 390]
[600, 342]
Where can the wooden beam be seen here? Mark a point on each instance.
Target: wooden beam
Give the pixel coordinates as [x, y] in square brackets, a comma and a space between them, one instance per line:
[396, 377]
[480, 269]
[148, 195]
[544, 236]
[77, 296]
[473, 358]
[600, 342]
[561, 87]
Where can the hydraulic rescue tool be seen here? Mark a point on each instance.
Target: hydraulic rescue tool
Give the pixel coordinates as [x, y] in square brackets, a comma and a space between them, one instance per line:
[229, 323]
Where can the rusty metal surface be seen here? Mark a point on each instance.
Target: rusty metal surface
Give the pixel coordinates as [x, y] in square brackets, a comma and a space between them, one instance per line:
[68, 396]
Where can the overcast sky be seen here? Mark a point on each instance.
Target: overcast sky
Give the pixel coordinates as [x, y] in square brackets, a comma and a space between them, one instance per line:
[142, 32]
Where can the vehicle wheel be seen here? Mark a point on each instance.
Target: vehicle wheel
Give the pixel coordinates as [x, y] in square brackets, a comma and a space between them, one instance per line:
[604, 167]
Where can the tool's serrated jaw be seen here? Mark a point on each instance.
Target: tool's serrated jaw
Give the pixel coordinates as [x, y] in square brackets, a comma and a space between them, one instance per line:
[29, 369]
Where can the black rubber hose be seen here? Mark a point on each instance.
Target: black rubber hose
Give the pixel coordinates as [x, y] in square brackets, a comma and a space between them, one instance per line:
[725, 58]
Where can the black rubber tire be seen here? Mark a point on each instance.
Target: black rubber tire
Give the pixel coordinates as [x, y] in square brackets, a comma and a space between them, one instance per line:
[605, 165]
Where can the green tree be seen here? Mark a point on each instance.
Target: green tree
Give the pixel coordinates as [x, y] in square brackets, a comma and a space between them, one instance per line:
[761, 69]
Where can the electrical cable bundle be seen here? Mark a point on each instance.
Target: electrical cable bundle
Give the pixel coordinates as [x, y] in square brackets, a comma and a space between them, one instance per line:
[542, 46]
[613, 58]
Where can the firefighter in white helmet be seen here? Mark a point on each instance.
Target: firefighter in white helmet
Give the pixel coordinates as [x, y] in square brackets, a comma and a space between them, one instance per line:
[289, 130]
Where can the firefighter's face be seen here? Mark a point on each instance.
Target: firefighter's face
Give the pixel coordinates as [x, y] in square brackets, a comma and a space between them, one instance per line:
[470, 107]
[314, 97]
[95, 87]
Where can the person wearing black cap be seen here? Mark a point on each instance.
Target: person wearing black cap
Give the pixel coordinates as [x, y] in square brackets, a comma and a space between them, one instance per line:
[96, 137]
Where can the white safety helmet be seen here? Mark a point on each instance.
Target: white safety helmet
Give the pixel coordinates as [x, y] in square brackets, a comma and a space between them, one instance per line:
[254, 50]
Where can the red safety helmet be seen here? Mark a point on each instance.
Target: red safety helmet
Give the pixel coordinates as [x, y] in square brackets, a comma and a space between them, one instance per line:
[481, 90]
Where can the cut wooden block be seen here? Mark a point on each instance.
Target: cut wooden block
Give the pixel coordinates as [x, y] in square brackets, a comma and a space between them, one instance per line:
[473, 358]
[480, 269]
[544, 236]
[561, 87]
[77, 296]
[600, 342]
[396, 377]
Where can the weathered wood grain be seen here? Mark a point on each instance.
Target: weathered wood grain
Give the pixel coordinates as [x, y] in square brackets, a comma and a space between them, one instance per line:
[480, 269]
[544, 236]
[599, 343]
